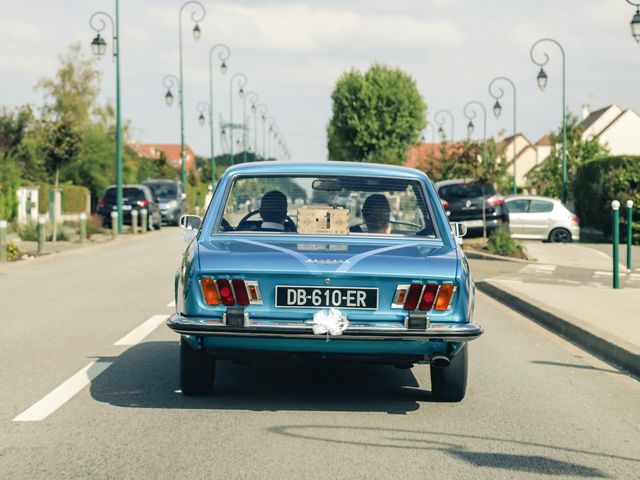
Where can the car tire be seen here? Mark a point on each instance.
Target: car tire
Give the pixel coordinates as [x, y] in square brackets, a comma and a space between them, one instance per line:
[560, 235]
[449, 384]
[197, 370]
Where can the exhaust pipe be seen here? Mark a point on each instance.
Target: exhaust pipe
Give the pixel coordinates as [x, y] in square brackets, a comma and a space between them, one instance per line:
[440, 361]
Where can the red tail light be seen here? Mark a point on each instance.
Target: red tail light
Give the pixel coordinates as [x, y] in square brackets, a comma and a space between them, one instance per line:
[575, 219]
[226, 295]
[101, 203]
[413, 297]
[495, 200]
[428, 296]
[241, 292]
[143, 203]
[445, 204]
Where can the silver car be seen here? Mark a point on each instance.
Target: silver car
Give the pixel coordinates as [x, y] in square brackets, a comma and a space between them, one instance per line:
[541, 218]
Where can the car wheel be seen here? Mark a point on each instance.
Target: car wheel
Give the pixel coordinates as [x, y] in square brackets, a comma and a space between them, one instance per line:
[449, 384]
[197, 370]
[560, 235]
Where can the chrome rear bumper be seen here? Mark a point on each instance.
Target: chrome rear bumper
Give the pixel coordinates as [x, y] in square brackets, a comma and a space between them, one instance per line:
[450, 332]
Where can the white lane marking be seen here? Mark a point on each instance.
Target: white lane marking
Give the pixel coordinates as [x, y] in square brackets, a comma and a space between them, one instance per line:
[171, 304]
[58, 397]
[604, 274]
[141, 331]
[539, 268]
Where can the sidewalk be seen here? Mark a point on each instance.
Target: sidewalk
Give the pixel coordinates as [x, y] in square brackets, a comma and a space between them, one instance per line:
[571, 295]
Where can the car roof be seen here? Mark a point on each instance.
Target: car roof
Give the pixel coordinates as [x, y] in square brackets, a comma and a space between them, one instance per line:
[160, 180]
[325, 168]
[531, 197]
[456, 181]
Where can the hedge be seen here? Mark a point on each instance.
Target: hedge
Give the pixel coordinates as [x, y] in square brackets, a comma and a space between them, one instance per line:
[600, 181]
[74, 198]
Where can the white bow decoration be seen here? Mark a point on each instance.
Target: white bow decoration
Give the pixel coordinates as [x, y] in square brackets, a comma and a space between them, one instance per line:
[329, 321]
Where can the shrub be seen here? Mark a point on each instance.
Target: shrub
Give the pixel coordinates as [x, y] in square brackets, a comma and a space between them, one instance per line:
[74, 198]
[13, 251]
[501, 243]
[28, 232]
[599, 182]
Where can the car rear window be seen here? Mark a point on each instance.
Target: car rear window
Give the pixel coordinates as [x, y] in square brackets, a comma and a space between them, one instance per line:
[465, 190]
[128, 193]
[163, 189]
[323, 205]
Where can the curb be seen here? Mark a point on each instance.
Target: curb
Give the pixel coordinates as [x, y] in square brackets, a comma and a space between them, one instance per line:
[476, 255]
[606, 349]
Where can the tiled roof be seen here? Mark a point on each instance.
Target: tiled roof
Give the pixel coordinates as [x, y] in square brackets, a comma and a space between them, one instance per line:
[426, 155]
[171, 150]
[593, 117]
[544, 141]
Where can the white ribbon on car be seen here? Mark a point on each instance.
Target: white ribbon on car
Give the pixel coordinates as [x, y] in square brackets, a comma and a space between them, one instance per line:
[329, 321]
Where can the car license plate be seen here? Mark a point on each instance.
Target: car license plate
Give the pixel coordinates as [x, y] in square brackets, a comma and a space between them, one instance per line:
[472, 223]
[326, 297]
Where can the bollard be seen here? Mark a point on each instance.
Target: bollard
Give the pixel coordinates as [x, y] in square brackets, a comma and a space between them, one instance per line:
[144, 219]
[41, 235]
[114, 224]
[83, 228]
[3, 241]
[615, 205]
[134, 222]
[629, 232]
[197, 210]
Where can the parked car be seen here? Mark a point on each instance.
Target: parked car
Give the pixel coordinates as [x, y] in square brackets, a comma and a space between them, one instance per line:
[541, 218]
[171, 199]
[134, 197]
[462, 199]
[389, 285]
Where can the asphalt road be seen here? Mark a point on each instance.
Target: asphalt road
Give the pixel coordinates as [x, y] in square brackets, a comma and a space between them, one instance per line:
[536, 406]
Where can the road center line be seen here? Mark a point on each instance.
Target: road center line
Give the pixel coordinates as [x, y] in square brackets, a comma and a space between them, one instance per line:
[58, 397]
[137, 334]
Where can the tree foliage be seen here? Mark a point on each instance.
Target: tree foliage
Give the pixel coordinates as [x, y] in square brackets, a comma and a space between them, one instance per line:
[377, 116]
[74, 89]
[547, 178]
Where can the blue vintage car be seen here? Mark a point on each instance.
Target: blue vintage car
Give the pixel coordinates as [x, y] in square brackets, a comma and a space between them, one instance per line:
[330, 260]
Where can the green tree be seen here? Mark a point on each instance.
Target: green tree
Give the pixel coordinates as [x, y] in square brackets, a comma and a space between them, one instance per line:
[377, 116]
[74, 89]
[471, 159]
[546, 179]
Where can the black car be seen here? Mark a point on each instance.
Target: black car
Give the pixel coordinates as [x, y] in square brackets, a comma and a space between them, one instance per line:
[134, 197]
[462, 199]
[171, 198]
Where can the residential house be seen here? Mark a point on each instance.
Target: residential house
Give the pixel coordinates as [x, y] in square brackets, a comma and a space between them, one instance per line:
[615, 128]
[170, 150]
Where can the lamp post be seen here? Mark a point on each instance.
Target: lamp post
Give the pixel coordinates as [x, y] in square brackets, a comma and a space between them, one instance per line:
[635, 21]
[263, 116]
[433, 131]
[223, 56]
[440, 121]
[253, 99]
[497, 110]
[242, 82]
[471, 114]
[272, 124]
[542, 83]
[198, 13]
[99, 47]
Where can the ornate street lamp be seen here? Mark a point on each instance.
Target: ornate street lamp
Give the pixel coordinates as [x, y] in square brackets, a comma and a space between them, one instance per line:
[497, 110]
[441, 121]
[98, 22]
[197, 14]
[635, 21]
[242, 82]
[223, 55]
[202, 107]
[253, 99]
[542, 83]
[471, 114]
[263, 116]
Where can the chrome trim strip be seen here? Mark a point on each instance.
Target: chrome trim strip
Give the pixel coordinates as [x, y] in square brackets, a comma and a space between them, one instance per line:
[389, 331]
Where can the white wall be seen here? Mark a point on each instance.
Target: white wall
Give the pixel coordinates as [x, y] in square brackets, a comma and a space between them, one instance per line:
[623, 136]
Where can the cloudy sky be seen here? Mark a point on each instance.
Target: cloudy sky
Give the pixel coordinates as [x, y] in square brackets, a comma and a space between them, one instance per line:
[293, 52]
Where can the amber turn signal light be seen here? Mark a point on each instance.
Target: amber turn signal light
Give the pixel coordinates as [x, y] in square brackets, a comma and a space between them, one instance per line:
[210, 291]
[444, 296]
